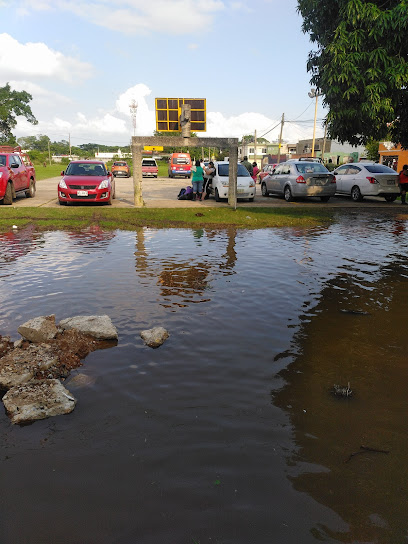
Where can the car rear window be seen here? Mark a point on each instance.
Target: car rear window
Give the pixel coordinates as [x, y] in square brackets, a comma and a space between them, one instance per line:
[311, 168]
[223, 170]
[181, 160]
[379, 169]
[149, 162]
[2, 160]
[119, 164]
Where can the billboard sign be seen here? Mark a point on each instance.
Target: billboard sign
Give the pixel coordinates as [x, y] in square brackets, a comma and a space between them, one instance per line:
[168, 111]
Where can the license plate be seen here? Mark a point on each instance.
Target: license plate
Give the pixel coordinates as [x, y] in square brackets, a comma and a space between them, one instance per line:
[390, 182]
[82, 193]
[240, 190]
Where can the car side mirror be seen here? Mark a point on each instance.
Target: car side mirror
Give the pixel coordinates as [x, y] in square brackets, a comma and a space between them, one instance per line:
[62, 173]
[13, 165]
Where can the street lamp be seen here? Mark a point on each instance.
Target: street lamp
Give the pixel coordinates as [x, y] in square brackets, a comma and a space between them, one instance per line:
[314, 93]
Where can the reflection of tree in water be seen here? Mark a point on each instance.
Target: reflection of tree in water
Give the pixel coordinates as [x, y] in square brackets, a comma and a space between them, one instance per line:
[368, 491]
[185, 279]
[18, 243]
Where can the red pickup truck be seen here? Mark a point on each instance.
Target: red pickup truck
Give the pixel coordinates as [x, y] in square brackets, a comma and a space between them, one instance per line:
[149, 168]
[17, 173]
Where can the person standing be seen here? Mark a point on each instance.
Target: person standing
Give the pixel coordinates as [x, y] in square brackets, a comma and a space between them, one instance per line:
[247, 165]
[209, 174]
[197, 181]
[255, 171]
[403, 182]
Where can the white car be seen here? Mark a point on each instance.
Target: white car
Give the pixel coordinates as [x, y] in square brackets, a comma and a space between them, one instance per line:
[220, 181]
[360, 179]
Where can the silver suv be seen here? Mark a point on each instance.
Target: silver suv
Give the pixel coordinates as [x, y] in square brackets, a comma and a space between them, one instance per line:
[300, 179]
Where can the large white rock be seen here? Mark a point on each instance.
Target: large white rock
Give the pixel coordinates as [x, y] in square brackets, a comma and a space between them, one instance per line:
[20, 365]
[154, 337]
[38, 399]
[98, 326]
[39, 329]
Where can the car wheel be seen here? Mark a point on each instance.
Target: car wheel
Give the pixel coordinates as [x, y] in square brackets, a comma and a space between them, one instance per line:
[325, 198]
[288, 194]
[264, 190]
[356, 195]
[8, 196]
[390, 198]
[217, 195]
[30, 193]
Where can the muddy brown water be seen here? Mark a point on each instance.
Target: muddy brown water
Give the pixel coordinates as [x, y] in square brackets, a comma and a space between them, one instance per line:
[228, 433]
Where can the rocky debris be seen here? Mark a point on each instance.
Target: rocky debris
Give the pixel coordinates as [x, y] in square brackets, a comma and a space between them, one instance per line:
[20, 365]
[154, 337]
[38, 399]
[81, 380]
[98, 326]
[39, 329]
[5, 345]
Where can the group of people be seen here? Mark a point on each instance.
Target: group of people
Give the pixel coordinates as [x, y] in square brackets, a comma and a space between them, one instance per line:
[202, 176]
[252, 168]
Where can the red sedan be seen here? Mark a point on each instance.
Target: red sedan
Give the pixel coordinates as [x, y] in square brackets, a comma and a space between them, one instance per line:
[266, 170]
[86, 181]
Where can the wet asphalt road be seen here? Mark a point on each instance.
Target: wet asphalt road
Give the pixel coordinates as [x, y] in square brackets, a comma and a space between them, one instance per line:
[162, 193]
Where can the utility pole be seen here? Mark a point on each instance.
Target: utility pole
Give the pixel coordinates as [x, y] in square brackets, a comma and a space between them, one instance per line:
[255, 146]
[49, 152]
[314, 93]
[324, 139]
[69, 138]
[280, 137]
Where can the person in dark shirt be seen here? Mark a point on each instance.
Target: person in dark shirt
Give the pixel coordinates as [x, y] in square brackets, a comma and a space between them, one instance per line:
[248, 165]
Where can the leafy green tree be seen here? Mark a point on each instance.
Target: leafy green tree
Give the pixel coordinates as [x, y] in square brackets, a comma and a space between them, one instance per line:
[12, 105]
[360, 66]
[372, 150]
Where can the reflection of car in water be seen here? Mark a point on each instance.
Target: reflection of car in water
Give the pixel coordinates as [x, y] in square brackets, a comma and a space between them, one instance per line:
[86, 181]
[18, 243]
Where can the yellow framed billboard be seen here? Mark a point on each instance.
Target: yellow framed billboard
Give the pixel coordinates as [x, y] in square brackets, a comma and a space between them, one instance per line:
[168, 111]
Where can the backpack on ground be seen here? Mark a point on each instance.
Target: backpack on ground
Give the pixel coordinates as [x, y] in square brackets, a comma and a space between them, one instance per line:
[186, 194]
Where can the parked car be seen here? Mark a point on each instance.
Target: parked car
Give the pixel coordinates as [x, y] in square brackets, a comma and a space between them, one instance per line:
[367, 179]
[86, 181]
[180, 165]
[299, 179]
[267, 169]
[219, 185]
[149, 168]
[17, 173]
[121, 168]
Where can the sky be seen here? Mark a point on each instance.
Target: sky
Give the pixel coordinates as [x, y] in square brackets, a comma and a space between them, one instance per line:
[84, 61]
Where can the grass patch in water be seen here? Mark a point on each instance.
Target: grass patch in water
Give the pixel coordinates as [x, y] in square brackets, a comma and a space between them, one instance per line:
[129, 218]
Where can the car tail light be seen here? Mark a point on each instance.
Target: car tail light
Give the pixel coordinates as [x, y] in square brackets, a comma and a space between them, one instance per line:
[372, 180]
[333, 179]
[300, 179]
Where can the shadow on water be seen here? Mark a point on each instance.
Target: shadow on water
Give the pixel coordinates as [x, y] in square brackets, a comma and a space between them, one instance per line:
[355, 334]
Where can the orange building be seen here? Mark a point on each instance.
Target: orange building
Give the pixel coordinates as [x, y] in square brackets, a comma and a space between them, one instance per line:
[393, 155]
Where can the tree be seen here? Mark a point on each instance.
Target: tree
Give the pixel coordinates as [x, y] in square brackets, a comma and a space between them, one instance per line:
[360, 66]
[13, 104]
[250, 139]
[372, 150]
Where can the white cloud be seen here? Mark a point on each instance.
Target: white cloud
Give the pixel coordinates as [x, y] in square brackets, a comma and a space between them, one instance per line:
[40, 94]
[115, 126]
[131, 16]
[37, 60]
[192, 46]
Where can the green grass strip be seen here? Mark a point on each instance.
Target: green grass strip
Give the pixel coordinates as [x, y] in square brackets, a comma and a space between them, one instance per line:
[128, 218]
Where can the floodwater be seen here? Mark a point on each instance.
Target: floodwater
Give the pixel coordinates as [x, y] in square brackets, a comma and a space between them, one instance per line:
[228, 433]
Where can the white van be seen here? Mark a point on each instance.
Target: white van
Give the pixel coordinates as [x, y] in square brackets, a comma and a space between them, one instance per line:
[220, 181]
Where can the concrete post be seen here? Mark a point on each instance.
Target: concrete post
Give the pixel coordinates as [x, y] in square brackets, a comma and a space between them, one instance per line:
[185, 120]
[233, 169]
[137, 174]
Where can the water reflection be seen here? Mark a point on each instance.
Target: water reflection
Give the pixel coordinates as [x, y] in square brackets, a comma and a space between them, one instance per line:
[182, 282]
[17, 243]
[368, 350]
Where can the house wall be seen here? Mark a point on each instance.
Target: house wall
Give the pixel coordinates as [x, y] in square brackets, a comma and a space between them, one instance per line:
[395, 157]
